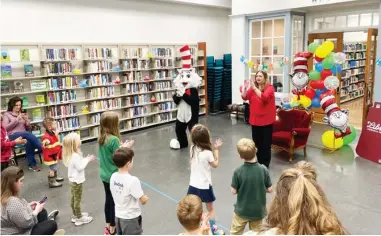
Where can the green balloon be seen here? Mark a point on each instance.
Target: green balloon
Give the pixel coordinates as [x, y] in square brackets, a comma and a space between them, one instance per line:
[328, 63]
[314, 75]
[351, 137]
[312, 47]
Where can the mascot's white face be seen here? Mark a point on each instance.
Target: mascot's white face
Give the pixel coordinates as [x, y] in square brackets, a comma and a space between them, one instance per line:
[338, 120]
[187, 78]
[299, 80]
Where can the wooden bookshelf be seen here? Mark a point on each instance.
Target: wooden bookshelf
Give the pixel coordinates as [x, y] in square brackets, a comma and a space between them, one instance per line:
[72, 77]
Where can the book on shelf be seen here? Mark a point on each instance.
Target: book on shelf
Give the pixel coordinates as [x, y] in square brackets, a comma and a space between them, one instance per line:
[101, 92]
[99, 79]
[57, 68]
[162, 74]
[68, 123]
[98, 66]
[4, 87]
[105, 104]
[135, 52]
[62, 96]
[163, 85]
[28, 69]
[137, 88]
[36, 85]
[63, 82]
[37, 114]
[95, 119]
[24, 54]
[161, 52]
[98, 53]
[163, 63]
[63, 110]
[6, 71]
[40, 99]
[5, 57]
[61, 54]
[25, 101]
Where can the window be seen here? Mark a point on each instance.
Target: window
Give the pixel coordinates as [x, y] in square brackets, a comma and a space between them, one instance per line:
[376, 19]
[350, 20]
[329, 22]
[319, 23]
[341, 22]
[353, 20]
[267, 44]
[366, 19]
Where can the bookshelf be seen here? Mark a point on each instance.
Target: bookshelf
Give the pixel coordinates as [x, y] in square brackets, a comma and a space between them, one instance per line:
[353, 73]
[75, 83]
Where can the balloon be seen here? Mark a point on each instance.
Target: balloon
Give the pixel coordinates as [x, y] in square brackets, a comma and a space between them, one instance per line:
[310, 93]
[328, 62]
[328, 45]
[250, 64]
[318, 59]
[319, 92]
[329, 140]
[336, 69]
[286, 106]
[339, 57]
[350, 137]
[315, 102]
[325, 73]
[320, 52]
[294, 102]
[312, 47]
[305, 101]
[314, 75]
[319, 66]
[331, 82]
[317, 84]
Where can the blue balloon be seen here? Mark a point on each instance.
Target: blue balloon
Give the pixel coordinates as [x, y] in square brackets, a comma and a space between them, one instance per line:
[319, 67]
[286, 106]
[336, 69]
[315, 102]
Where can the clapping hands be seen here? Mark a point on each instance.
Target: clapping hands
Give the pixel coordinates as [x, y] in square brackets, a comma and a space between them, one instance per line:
[128, 143]
[218, 143]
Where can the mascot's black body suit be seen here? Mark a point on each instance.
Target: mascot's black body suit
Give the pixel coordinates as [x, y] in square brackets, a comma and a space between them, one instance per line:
[186, 99]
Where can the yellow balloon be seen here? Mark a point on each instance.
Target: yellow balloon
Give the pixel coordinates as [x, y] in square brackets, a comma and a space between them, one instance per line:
[329, 140]
[321, 52]
[250, 64]
[328, 45]
[305, 101]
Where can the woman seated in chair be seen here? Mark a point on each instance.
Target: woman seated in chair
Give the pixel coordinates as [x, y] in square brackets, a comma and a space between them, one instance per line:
[17, 215]
[17, 124]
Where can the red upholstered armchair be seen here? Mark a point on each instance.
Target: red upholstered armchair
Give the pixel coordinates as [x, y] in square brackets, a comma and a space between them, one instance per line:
[291, 131]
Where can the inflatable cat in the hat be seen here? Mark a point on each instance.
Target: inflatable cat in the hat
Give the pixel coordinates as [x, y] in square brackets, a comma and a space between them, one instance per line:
[335, 117]
[186, 98]
[300, 76]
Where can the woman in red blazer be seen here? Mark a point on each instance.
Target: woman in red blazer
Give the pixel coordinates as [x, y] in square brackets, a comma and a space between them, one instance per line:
[262, 114]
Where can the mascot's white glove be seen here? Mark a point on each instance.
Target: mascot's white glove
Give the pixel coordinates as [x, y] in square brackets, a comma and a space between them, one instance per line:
[180, 91]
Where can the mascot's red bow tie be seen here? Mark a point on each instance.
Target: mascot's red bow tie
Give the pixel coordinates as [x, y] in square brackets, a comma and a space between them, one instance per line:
[187, 91]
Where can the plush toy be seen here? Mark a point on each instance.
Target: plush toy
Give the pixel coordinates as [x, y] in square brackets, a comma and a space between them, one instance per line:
[300, 76]
[335, 117]
[187, 99]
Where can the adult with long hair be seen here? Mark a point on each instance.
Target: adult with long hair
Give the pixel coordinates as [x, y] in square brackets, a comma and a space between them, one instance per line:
[17, 215]
[300, 206]
[17, 124]
[261, 97]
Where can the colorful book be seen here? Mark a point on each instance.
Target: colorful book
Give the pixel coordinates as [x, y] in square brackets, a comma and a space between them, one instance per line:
[6, 71]
[37, 114]
[40, 99]
[25, 101]
[38, 85]
[24, 54]
[5, 57]
[4, 87]
[28, 69]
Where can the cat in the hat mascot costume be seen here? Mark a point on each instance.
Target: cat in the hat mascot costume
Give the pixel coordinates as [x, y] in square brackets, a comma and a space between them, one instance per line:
[300, 76]
[186, 99]
[335, 117]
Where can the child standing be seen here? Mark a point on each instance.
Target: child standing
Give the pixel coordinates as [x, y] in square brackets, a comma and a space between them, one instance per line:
[250, 182]
[189, 213]
[202, 159]
[76, 163]
[6, 145]
[51, 150]
[127, 193]
[109, 140]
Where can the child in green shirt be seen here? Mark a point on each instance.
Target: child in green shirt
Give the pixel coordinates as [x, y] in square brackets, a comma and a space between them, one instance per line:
[109, 140]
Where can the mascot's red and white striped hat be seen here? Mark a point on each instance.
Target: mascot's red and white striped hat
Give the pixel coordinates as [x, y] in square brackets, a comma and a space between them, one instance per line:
[328, 103]
[300, 62]
[185, 57]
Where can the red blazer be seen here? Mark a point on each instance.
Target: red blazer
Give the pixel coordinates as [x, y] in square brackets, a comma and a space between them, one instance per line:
[262, 110]
[51, 148]
[6, 145]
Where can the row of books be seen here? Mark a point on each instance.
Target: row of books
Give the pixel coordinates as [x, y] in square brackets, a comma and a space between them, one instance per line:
[162, 85]
[161, 52]
[135, 64]
[165, 106]
[98, 66]
[138, 88]
[163, 63]
[61, 54]
[6, 71]
[57, 68]
[105, 104]
[63, 110]
[137, 111]
[62, 96]
[100, 79]
[95, 119]
[69, 123]
[134, 52]
[352, 72]
[356, 55]
[162, 74]
[351, 64]
[348, 47]
[101, 92]
[63, 82]
[98, 53]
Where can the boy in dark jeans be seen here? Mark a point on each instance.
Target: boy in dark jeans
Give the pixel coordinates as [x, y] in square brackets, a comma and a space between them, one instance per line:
[250, 182]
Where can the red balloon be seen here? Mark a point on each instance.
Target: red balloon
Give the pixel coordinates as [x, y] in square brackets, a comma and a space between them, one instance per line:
[318, 59]
[310, 93]
[325, 73]
[317, 84]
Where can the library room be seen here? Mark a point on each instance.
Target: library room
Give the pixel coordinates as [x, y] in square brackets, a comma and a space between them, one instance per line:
[193, 117]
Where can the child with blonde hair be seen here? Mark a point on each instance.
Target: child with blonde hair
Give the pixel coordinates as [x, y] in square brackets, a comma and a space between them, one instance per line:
[300, 206]
[250, 183]
[202, 158]
[76, 163]
[109, 141]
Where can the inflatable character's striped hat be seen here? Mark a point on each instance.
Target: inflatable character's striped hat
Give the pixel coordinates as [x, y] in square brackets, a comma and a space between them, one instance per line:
[185, 57]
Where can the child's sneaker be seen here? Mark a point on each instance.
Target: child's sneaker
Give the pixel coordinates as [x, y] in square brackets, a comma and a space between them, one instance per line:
[83, 220]
[214, 228]
[73, 218]
[107, 232]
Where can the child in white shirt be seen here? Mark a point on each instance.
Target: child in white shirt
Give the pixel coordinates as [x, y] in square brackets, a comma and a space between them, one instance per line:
[76, 163]
[127, 194]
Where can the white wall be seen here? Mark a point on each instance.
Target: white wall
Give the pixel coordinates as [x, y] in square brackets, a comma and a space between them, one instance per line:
[114, 21]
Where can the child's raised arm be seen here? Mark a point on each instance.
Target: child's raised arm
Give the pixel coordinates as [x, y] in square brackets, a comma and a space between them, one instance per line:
[81, 163]
[217, 145]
